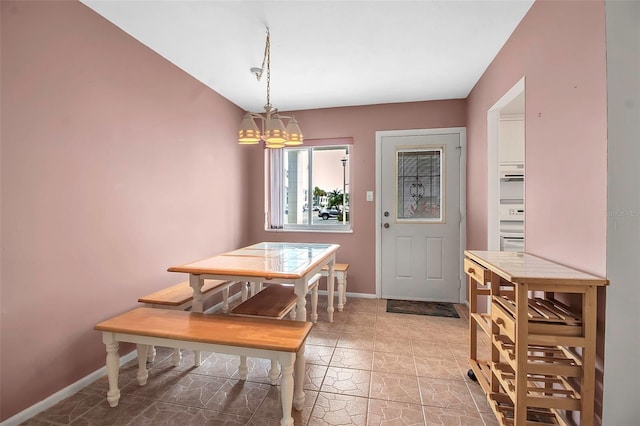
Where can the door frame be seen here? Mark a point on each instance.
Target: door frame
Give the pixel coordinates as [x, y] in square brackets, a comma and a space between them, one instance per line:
[462, 132]
[493, 178]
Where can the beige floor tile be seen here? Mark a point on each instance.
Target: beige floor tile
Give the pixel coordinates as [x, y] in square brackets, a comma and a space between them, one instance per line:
[322, 338]
[352, 358]
[394, 413]
[238, 397]
[335, 409]
[194, 390]
[438, 368]
[431, 349]
[394, 387]
[270, 411]
[314, 376]
[451, 394]
[347, 381]
[355, 341]
[393, 344]
[446, 417]
[320, 355]
[388, 362]
[163, 413]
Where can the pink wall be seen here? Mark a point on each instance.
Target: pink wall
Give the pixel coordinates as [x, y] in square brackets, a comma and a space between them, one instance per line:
[361, 123]
[559, 47]
[115, 165]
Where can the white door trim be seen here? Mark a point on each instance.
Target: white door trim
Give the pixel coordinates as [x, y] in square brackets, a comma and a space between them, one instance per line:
[493, 181]
[463, 197]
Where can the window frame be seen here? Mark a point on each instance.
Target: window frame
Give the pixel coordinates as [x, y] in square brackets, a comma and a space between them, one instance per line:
[310, 147]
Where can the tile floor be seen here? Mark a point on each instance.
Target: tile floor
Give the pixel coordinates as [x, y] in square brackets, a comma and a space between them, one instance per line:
[368, 367]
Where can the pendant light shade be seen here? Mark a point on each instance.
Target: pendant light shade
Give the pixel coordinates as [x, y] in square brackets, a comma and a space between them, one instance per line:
[272, 131]
[295, 134]
[249, 133]
[275, 133]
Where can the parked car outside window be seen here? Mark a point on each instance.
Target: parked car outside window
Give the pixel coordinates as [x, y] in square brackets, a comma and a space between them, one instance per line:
[327, 213]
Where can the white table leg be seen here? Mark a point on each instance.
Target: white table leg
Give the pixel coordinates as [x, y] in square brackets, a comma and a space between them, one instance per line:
[300, 289]
[113, 368]
[143, 374]
[287, 362]
[330, 285]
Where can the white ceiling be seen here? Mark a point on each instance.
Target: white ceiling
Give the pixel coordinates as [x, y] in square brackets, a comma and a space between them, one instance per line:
[324, 53]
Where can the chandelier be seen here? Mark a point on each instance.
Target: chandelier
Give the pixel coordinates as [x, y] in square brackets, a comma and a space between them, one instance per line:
[272, 129]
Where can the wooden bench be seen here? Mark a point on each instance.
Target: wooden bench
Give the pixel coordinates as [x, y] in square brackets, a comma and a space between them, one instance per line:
[275, 301]
[340, 274]
[180, 297]
[257, 337]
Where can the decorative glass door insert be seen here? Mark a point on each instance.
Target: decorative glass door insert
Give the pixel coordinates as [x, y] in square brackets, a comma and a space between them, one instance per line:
[419, 189]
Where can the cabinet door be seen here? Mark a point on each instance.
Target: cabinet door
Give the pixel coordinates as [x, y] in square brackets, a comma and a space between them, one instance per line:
[511, 141]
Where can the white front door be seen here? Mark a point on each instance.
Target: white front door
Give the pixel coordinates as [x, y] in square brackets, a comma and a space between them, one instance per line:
[420, 214]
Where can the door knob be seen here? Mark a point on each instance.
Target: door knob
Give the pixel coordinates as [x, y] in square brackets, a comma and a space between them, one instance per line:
[386, 225]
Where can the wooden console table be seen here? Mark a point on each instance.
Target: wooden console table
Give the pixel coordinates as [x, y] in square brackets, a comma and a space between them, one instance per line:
[542, 362]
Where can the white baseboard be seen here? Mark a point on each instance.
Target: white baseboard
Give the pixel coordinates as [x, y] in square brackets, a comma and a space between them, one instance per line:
[72, 389]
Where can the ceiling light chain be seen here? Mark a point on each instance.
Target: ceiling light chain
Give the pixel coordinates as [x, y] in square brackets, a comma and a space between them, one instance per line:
[273, 131]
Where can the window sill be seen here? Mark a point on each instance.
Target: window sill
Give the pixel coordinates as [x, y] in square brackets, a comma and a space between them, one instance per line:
[313, 230]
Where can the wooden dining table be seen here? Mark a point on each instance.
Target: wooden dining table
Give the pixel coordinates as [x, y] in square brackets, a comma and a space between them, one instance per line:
[266, 262]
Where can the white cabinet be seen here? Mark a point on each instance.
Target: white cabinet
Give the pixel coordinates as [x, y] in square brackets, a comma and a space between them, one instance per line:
[511, 139]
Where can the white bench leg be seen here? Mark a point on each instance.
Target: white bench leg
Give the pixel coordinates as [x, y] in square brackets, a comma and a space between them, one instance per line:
[176, 357]
[151, 353]
[298, 391]
[287, 362]
[292, 314]
[143, 374]
[274, 372]
[225, 300]
[196, 284]
[341, 301]
[113, 367]
[243, 370]
[244, 291]
[314, 303]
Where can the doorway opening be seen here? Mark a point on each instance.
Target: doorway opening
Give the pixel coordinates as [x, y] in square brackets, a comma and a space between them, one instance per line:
[506, 171]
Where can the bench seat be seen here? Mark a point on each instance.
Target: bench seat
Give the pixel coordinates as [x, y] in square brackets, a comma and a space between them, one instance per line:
[274, 301]
[244, 336]
[180, 296]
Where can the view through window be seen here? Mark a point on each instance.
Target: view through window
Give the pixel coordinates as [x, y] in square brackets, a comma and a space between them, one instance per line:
[316, 187]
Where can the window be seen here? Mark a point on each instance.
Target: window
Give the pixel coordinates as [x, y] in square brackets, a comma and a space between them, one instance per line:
[309, 188]
[419, 183]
